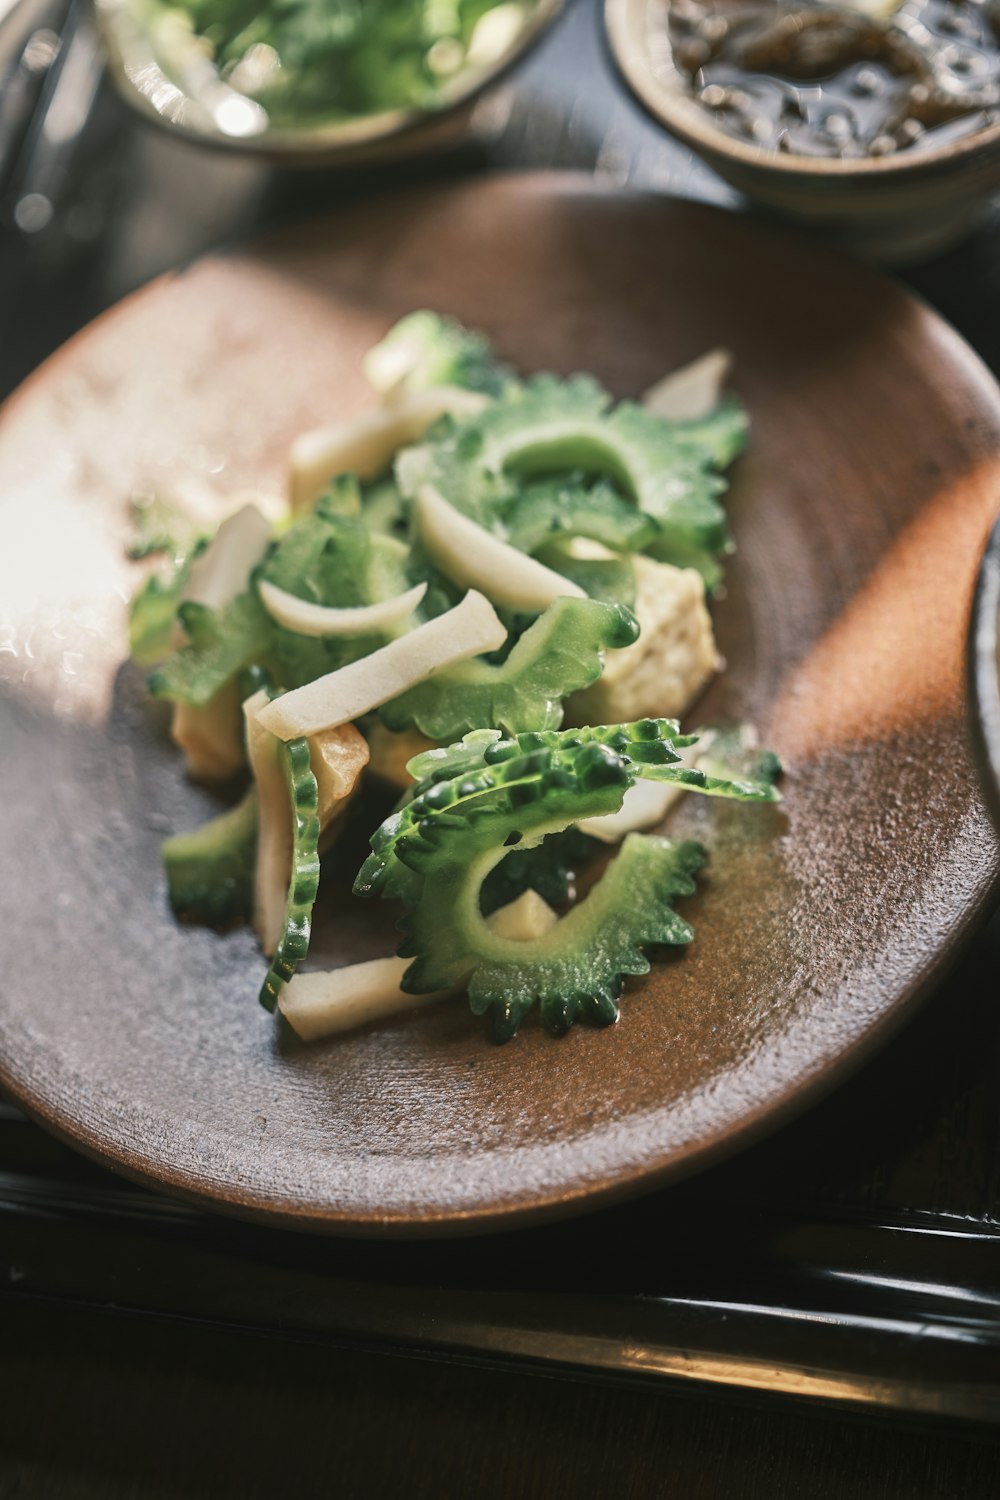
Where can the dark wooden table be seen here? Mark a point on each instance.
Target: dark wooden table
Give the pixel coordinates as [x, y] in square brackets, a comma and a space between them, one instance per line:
[820, 1318]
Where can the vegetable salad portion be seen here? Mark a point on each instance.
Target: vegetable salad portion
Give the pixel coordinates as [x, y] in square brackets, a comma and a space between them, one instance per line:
[323, 62]
[488, 594]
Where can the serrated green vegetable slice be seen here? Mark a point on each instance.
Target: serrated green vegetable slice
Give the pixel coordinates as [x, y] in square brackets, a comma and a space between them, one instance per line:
[560, 652]
[478, 800]
[551, 426]
[210, 871]
[221, 643]
[151, 616]
[293, 944]
[554, 509]
[486, 774]
[466, 462]
[576, 970]
[425, 349]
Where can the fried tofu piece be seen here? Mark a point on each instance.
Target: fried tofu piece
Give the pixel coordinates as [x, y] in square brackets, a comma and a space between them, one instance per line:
[391, 751]
[670, 663]
[337, 756]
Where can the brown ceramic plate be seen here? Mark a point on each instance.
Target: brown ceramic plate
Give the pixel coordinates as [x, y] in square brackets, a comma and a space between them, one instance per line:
[859, 513]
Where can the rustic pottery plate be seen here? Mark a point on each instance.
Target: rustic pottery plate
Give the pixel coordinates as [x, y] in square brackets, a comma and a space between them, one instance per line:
[859, 512]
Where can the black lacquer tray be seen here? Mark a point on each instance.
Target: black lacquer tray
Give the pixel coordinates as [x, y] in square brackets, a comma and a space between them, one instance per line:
[852, 1260]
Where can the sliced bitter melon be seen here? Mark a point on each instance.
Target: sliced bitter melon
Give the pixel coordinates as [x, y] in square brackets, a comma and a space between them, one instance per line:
[293, 944]
[221, 643]
[555, 509]
[478, 800]
[210, 871]
[286, 876]
[552, 426]
[424, 350]
[557, 655]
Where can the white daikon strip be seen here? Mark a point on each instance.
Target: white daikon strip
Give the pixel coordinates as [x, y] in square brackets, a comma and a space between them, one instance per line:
[223, 570]
[321, 620]
[690, 393]
[474, 558]
[367, 446]
[469, 629]
[321, 1004]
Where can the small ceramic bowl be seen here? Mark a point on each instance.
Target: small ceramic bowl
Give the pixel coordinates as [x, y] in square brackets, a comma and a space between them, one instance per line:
[895, 209]
[984, 673]
[222, 119]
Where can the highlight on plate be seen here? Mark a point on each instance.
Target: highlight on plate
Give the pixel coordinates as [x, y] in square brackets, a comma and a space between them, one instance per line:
[487, 597]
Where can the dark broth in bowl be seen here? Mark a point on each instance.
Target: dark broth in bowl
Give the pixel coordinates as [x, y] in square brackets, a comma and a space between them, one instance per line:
[820, 81]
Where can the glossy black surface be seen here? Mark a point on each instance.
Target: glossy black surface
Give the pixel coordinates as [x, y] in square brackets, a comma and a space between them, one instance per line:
[853, 1259]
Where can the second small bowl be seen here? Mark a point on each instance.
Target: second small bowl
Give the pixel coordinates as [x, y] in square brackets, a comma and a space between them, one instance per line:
[205, 111]
[893, 209]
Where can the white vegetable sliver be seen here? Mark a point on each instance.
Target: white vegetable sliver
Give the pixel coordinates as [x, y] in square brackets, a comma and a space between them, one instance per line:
[469, 629]
[367, 446]
[321, 1004]
[692, 392]
[223, 569]
[474, 558]
[209, 736]
[319, 620]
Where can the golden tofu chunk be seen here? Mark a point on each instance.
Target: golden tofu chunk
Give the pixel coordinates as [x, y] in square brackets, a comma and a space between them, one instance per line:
[337, 756]
[390, 753]
[670, 663]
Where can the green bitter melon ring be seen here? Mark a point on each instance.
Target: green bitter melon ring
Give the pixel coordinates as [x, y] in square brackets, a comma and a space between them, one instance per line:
[474, 802]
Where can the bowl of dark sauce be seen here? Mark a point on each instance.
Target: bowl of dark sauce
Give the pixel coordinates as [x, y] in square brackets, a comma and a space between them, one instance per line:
[881, 124]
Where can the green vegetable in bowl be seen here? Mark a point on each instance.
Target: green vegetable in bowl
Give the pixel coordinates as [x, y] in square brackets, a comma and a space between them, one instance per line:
[315, 62]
